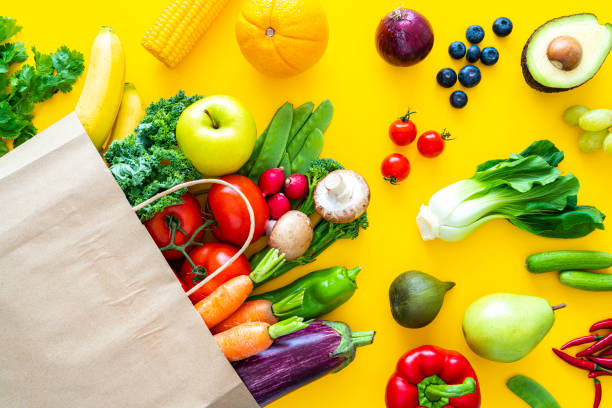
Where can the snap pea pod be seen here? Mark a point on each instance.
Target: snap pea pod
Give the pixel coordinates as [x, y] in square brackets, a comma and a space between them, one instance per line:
[275, 143]
[587, 280]
[320, 119]
[246, 168]
[311, 150]
[300, 116]
[285, 163]
[531, 392]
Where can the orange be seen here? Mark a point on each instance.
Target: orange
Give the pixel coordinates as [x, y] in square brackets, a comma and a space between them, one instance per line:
[282, 38]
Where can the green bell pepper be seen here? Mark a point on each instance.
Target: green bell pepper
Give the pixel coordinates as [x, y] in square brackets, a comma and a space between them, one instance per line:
[324, 291]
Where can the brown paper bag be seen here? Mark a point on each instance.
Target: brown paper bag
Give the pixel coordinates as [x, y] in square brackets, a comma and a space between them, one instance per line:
[92, 316]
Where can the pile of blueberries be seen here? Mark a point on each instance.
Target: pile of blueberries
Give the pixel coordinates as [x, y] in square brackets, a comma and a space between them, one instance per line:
[469, 76]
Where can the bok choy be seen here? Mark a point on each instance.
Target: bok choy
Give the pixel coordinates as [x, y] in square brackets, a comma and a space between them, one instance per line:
[527, 189]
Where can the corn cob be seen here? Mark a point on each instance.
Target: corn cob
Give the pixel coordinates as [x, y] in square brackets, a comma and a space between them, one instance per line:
[179, 27]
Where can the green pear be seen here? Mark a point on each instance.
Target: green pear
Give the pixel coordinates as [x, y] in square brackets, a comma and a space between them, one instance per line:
[504, 327]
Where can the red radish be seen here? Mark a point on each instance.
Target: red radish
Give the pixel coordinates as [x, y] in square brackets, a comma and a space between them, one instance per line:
[296, 186]
[271, 181]
[279, 205]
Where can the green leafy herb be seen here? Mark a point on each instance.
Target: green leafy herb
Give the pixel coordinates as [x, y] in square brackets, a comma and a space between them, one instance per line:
[150, 161]
[51, 73]
[526, 189]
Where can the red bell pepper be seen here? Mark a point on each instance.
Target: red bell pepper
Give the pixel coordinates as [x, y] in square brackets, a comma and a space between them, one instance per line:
[432, 377]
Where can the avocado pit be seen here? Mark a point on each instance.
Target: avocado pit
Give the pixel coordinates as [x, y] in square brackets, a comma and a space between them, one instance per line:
[564, 53]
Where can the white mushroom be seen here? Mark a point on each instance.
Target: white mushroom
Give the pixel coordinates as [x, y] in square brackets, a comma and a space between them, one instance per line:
[342, 196]
[291, 234]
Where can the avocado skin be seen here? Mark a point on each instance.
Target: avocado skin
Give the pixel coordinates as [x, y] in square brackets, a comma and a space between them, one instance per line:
[527, 75]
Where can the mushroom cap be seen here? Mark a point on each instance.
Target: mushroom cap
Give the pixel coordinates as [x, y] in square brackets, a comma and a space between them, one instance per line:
[341, 196]
[292, 234]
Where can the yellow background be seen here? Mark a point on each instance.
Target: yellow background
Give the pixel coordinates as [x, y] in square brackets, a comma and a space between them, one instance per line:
[503, 116]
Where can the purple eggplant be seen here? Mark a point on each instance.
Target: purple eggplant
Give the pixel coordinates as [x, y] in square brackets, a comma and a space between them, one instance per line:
[299, 358]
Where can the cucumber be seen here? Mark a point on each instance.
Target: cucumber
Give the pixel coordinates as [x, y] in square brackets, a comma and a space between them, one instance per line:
[531, 392]
[597, 282]
[566, 260]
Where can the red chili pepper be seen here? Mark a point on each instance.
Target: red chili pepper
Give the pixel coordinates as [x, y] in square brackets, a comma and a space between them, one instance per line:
[604, 324]
[582, 340]
[606, 363]
[431, 377]
[594, 374]
[578, 362]
[600, 345]
[606, 353]
[597, 394]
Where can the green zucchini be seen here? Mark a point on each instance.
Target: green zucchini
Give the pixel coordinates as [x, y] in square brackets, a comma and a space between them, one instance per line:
[568, 260]
[592, 281]
[531, 392]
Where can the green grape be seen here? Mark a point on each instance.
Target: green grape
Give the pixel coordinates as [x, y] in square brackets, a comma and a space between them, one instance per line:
[607, 145]
[590, 142]
[573, 113]
[596, 120]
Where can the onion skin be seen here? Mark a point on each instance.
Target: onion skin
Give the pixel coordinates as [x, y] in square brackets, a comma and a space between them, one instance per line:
[404, 37]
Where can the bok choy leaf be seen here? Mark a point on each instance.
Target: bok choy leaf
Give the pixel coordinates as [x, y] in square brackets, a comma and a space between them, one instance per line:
[526, 189]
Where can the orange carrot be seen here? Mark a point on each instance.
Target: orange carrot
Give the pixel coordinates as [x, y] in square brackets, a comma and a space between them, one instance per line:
[263, 311]
[250, 312]
[225, 300]
[248, 339]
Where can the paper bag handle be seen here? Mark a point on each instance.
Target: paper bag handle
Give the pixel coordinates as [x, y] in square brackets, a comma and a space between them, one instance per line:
[209, 181]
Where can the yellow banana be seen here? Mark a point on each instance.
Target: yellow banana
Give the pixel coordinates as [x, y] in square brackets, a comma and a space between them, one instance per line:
[99, 102]
[130, 113]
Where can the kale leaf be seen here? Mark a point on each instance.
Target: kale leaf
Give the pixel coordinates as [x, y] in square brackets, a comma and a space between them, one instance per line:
[150, 161]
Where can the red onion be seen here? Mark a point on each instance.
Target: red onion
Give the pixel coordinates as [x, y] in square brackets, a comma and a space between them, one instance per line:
[404, 37]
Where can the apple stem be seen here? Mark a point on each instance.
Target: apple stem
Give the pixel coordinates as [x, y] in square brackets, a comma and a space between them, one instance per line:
[557, 307]
[215, 125]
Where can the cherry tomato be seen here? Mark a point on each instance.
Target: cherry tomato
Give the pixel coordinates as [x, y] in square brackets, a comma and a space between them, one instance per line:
[431, 143]
[395, 167]
[211, 256]
[189, 215]
[403, 131]
[231, 214]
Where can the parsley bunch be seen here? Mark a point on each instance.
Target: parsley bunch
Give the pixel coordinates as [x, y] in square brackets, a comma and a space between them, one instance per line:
[150, 161]
[28, 85]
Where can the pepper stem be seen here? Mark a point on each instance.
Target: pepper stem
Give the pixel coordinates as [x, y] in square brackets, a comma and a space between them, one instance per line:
[286, 327]
[289, 304]
[267, 266]
[436, 392]
[352, 273]
[362, 338]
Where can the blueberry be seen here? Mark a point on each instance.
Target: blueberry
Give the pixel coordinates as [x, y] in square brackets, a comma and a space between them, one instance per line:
[474, 34]
[469, 76]
[502, 26]
[489, 55]
[447, 77]
[456, 49]
[472, 54]
[458, 99]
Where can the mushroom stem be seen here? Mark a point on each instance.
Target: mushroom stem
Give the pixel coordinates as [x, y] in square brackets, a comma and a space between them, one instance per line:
[337, 187]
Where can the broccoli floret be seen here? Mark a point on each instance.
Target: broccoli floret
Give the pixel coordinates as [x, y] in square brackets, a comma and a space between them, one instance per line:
[319, 168]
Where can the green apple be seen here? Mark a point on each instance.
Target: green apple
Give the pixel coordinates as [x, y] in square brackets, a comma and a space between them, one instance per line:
[217, 134]
[504, 327]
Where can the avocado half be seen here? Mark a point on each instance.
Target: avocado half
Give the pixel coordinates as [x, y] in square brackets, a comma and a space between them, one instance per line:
[594, 38]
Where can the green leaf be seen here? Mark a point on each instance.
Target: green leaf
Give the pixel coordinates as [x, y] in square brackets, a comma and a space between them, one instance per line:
[8, 28]
[11, 53]
[3, 148]
[149, 161]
